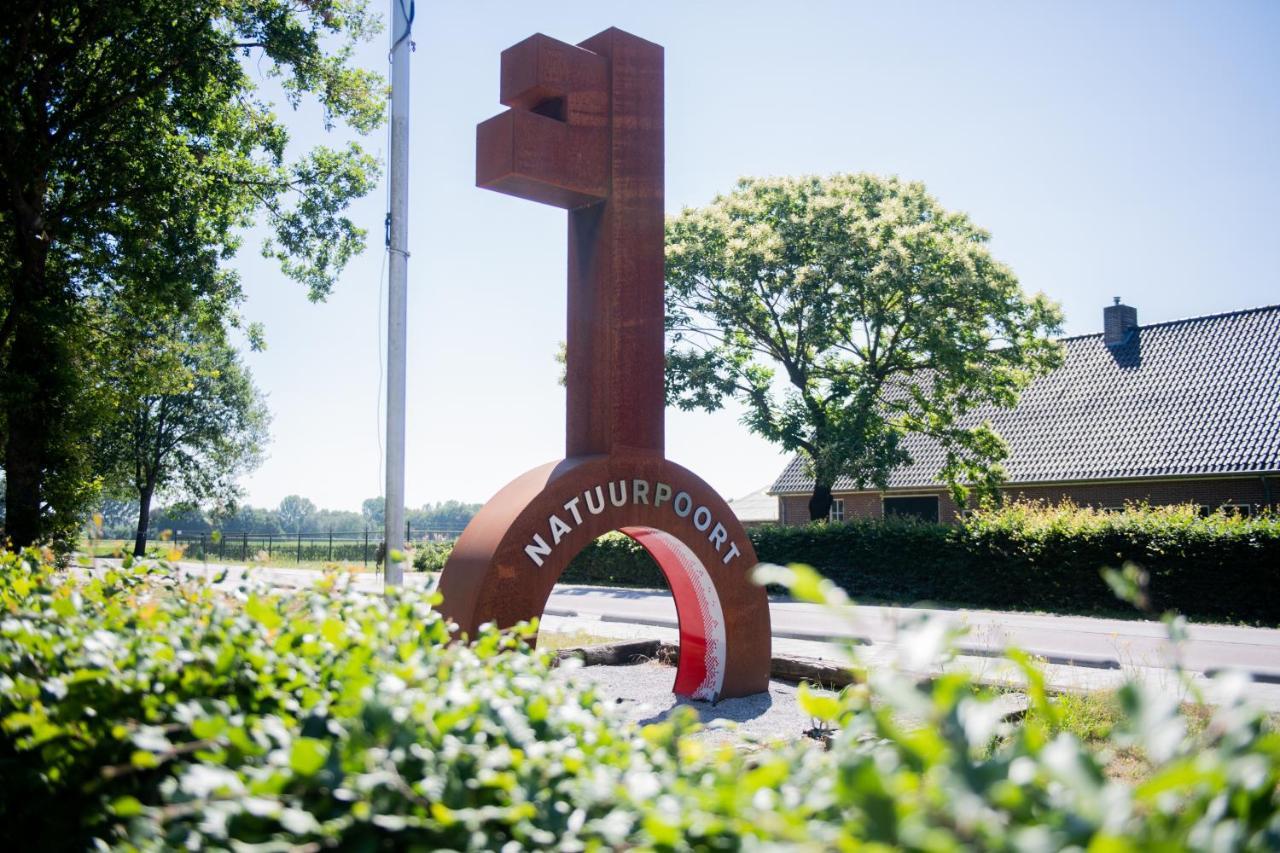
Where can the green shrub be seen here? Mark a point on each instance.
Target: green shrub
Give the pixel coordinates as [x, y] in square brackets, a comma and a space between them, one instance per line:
[1219, 566]
[146, 712]
[431, 556]
[176, 714]
[614, 559]
[1023, 556]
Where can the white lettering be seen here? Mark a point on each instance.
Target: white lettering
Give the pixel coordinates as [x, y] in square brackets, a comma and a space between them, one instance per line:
[537, 550]
[597, 507]
[614, 498]
[688, 504]
[640, 491]
[718, 536]
[661, 493]
[572, 506]
[733, 552]
[558, 529]
[702, 518]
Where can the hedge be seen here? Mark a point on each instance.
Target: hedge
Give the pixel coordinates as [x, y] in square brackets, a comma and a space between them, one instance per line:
[1022, 556]
[142, 711]
[1029, 556]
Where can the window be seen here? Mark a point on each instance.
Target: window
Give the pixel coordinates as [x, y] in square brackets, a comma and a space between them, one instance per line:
[923, 508]
[837, 510]
[1243, 510]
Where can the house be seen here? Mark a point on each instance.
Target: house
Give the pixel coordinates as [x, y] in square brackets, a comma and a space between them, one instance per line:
[756, 509]
[1180, 412]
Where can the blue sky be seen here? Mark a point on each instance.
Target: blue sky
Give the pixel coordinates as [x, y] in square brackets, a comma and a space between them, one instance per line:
[1111, 149]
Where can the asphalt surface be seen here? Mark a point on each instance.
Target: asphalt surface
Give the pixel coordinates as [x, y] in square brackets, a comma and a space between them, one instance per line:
[1065, 640]
[1079, 651]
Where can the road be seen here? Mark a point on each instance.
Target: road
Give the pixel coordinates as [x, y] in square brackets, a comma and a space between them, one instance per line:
[1065, 640]
[1073, 642]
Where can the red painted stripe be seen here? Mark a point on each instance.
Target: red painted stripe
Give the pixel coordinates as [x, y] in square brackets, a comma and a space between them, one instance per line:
[693, 619]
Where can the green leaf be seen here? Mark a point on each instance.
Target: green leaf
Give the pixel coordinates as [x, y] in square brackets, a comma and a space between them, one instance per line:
[126, 806]
[307, 755]
[143, 760]
[820, 706]
[265, 611]
[333, 631]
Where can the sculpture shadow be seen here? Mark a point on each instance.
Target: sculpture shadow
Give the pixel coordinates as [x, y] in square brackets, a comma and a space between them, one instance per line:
[628, 593]
[738, 710]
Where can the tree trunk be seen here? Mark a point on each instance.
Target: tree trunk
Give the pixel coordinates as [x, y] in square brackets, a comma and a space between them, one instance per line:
[28, 375]
[26, 435]
[144, 521]
[820, 503]
[22, 483]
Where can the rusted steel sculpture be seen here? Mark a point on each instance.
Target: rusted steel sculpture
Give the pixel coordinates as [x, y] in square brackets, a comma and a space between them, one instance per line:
[584, 132]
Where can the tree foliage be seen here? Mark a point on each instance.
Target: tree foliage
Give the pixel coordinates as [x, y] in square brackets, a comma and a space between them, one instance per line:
[846, 312]
[190, 420]
[136, 145]
[294, 513]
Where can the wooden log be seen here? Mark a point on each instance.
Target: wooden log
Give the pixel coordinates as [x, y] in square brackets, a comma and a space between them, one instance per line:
[614, 654]
[820, 672]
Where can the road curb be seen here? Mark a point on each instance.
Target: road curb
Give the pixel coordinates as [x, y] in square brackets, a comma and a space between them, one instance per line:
[1260, 676]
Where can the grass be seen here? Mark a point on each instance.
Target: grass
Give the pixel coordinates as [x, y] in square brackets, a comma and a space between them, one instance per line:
[1090, 716]
[170, 552]
[555, 640]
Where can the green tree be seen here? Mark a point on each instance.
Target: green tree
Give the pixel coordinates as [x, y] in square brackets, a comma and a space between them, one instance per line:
[133, 134]
[243, 518]
[374, 511]
[190, 420]
[846, 312]
[294, 513]
[446, 515]
[118, 513]
[338, 521]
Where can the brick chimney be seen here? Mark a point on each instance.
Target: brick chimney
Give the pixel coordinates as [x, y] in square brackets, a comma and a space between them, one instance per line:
[1118, 321]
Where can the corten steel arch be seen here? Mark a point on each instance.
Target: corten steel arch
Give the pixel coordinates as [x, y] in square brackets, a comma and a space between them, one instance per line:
[584, 132]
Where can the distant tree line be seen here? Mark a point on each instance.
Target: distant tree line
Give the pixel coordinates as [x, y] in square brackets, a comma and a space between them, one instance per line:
[295, 514]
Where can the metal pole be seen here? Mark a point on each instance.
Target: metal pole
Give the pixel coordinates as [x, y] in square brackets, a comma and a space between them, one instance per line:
[397, 287]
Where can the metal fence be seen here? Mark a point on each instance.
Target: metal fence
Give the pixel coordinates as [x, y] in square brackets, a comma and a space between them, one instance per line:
[299, 547]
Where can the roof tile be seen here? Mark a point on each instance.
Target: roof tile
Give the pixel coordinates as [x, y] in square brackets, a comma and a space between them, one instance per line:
[1196, 396]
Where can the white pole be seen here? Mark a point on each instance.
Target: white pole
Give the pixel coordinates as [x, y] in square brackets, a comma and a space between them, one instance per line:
[397, 289]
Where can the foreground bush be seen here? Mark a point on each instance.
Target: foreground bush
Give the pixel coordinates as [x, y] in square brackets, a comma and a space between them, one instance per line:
[146, 712]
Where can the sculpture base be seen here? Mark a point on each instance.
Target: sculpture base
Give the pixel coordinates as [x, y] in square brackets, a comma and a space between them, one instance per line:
[512, 553]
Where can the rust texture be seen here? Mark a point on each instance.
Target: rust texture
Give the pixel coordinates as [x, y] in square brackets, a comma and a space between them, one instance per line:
[584, 131]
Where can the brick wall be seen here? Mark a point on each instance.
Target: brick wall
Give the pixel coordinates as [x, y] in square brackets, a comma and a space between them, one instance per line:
[794, 509]
[1211, 493]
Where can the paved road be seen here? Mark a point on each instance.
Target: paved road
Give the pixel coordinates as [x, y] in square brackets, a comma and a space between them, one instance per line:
[1074, 641]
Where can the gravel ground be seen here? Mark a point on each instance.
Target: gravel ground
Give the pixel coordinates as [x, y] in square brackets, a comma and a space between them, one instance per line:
[642, 694]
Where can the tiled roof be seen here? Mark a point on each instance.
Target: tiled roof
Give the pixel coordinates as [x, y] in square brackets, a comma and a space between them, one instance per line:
[755, 507]
[1197, 396]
